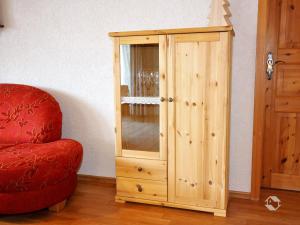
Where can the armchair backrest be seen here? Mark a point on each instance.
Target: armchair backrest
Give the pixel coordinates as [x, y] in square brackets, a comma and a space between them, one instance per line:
[28, 115]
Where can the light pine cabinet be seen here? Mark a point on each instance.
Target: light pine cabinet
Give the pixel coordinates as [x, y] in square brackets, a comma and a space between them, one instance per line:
[172, 101]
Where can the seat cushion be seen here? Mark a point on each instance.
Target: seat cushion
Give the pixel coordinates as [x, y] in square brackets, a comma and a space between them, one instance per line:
[29, 201]
[5, 145]
[31, 167]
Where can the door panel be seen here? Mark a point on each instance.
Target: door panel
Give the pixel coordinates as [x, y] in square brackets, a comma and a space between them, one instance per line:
[289, 55]
[197, 118]
[285, 181]
[288, 80]
[289, 24]
[287, 151]
[287, 105]
[282, 133]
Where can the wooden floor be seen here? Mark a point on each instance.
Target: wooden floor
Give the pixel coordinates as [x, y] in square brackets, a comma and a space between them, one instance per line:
[140, 133]
[93, 203]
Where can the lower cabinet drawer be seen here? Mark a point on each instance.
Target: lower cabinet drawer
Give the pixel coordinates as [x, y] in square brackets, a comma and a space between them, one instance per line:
[141, 168]
[144, 189]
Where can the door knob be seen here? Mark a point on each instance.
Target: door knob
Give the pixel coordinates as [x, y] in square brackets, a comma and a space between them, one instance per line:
[270, 66]
[171, 99]
[139, 187]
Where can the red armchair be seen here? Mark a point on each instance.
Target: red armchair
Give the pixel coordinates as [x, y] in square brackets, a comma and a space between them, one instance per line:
[38, 169]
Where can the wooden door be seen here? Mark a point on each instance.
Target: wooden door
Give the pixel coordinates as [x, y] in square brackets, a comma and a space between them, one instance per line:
[281, 158]
[198, 90]
[140, 85]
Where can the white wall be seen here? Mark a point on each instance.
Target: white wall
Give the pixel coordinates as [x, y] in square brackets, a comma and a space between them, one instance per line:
[243, 76]
[63, 47]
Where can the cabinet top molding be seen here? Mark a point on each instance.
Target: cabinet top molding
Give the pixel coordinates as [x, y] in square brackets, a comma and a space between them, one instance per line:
[172, 31]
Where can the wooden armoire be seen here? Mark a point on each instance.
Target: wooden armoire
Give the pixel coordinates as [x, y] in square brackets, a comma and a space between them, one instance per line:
[172, 102]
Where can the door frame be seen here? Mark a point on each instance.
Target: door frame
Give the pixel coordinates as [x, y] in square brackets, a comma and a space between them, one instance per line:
[161, 40]
[260, 99]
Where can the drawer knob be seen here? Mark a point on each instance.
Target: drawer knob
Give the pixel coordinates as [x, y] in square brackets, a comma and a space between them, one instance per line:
[140, 169]
[139, 188]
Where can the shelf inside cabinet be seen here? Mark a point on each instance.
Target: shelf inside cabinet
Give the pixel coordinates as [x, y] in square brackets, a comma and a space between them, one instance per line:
[140, 100]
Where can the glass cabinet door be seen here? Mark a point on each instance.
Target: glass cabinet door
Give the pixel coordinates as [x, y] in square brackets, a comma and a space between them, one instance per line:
[140, 97]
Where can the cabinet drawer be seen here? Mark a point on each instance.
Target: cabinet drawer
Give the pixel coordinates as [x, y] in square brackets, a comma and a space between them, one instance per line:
[141, 168]
[144, 189]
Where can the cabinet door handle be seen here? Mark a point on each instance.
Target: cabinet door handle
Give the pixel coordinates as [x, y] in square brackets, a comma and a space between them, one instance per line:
[140, 169]
[139, 187]
[171, 99]
[162, 99]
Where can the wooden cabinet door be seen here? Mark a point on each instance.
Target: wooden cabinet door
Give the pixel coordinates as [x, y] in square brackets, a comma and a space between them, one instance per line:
[198, 118]
[140, 86]
[281, 163]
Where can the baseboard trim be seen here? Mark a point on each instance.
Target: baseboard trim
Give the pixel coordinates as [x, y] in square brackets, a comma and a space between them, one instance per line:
[112, 180]
[99, 179]
[239, 194]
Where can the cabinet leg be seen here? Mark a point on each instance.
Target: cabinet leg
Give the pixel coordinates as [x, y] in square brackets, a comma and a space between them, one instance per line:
[220, 213]
[58, 207]
[118, 200]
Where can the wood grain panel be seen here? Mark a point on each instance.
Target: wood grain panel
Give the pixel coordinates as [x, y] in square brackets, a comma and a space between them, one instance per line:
[172, 31]
[222, 177]
[211, 119]
[192, 163]
[287, 104]
[289, 24]
[287, 151]
[200, 122]
[288, 80]
[285, 181]
[163, 113]
[207, 37]
[147, 39]
[171, 119]
[289, 55]
[143, 189]
[117, 88]
[140, 154]
[261, 87]
[282, 94]
[141, 168]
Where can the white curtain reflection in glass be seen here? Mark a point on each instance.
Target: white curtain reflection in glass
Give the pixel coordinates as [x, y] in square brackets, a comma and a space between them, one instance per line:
[125, 66]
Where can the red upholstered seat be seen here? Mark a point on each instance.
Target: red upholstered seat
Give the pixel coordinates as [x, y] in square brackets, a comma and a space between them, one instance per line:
[5, 145]
[37, 168]
[33, 167]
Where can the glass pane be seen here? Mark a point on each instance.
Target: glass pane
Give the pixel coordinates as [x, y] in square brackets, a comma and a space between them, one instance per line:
[140, 97]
